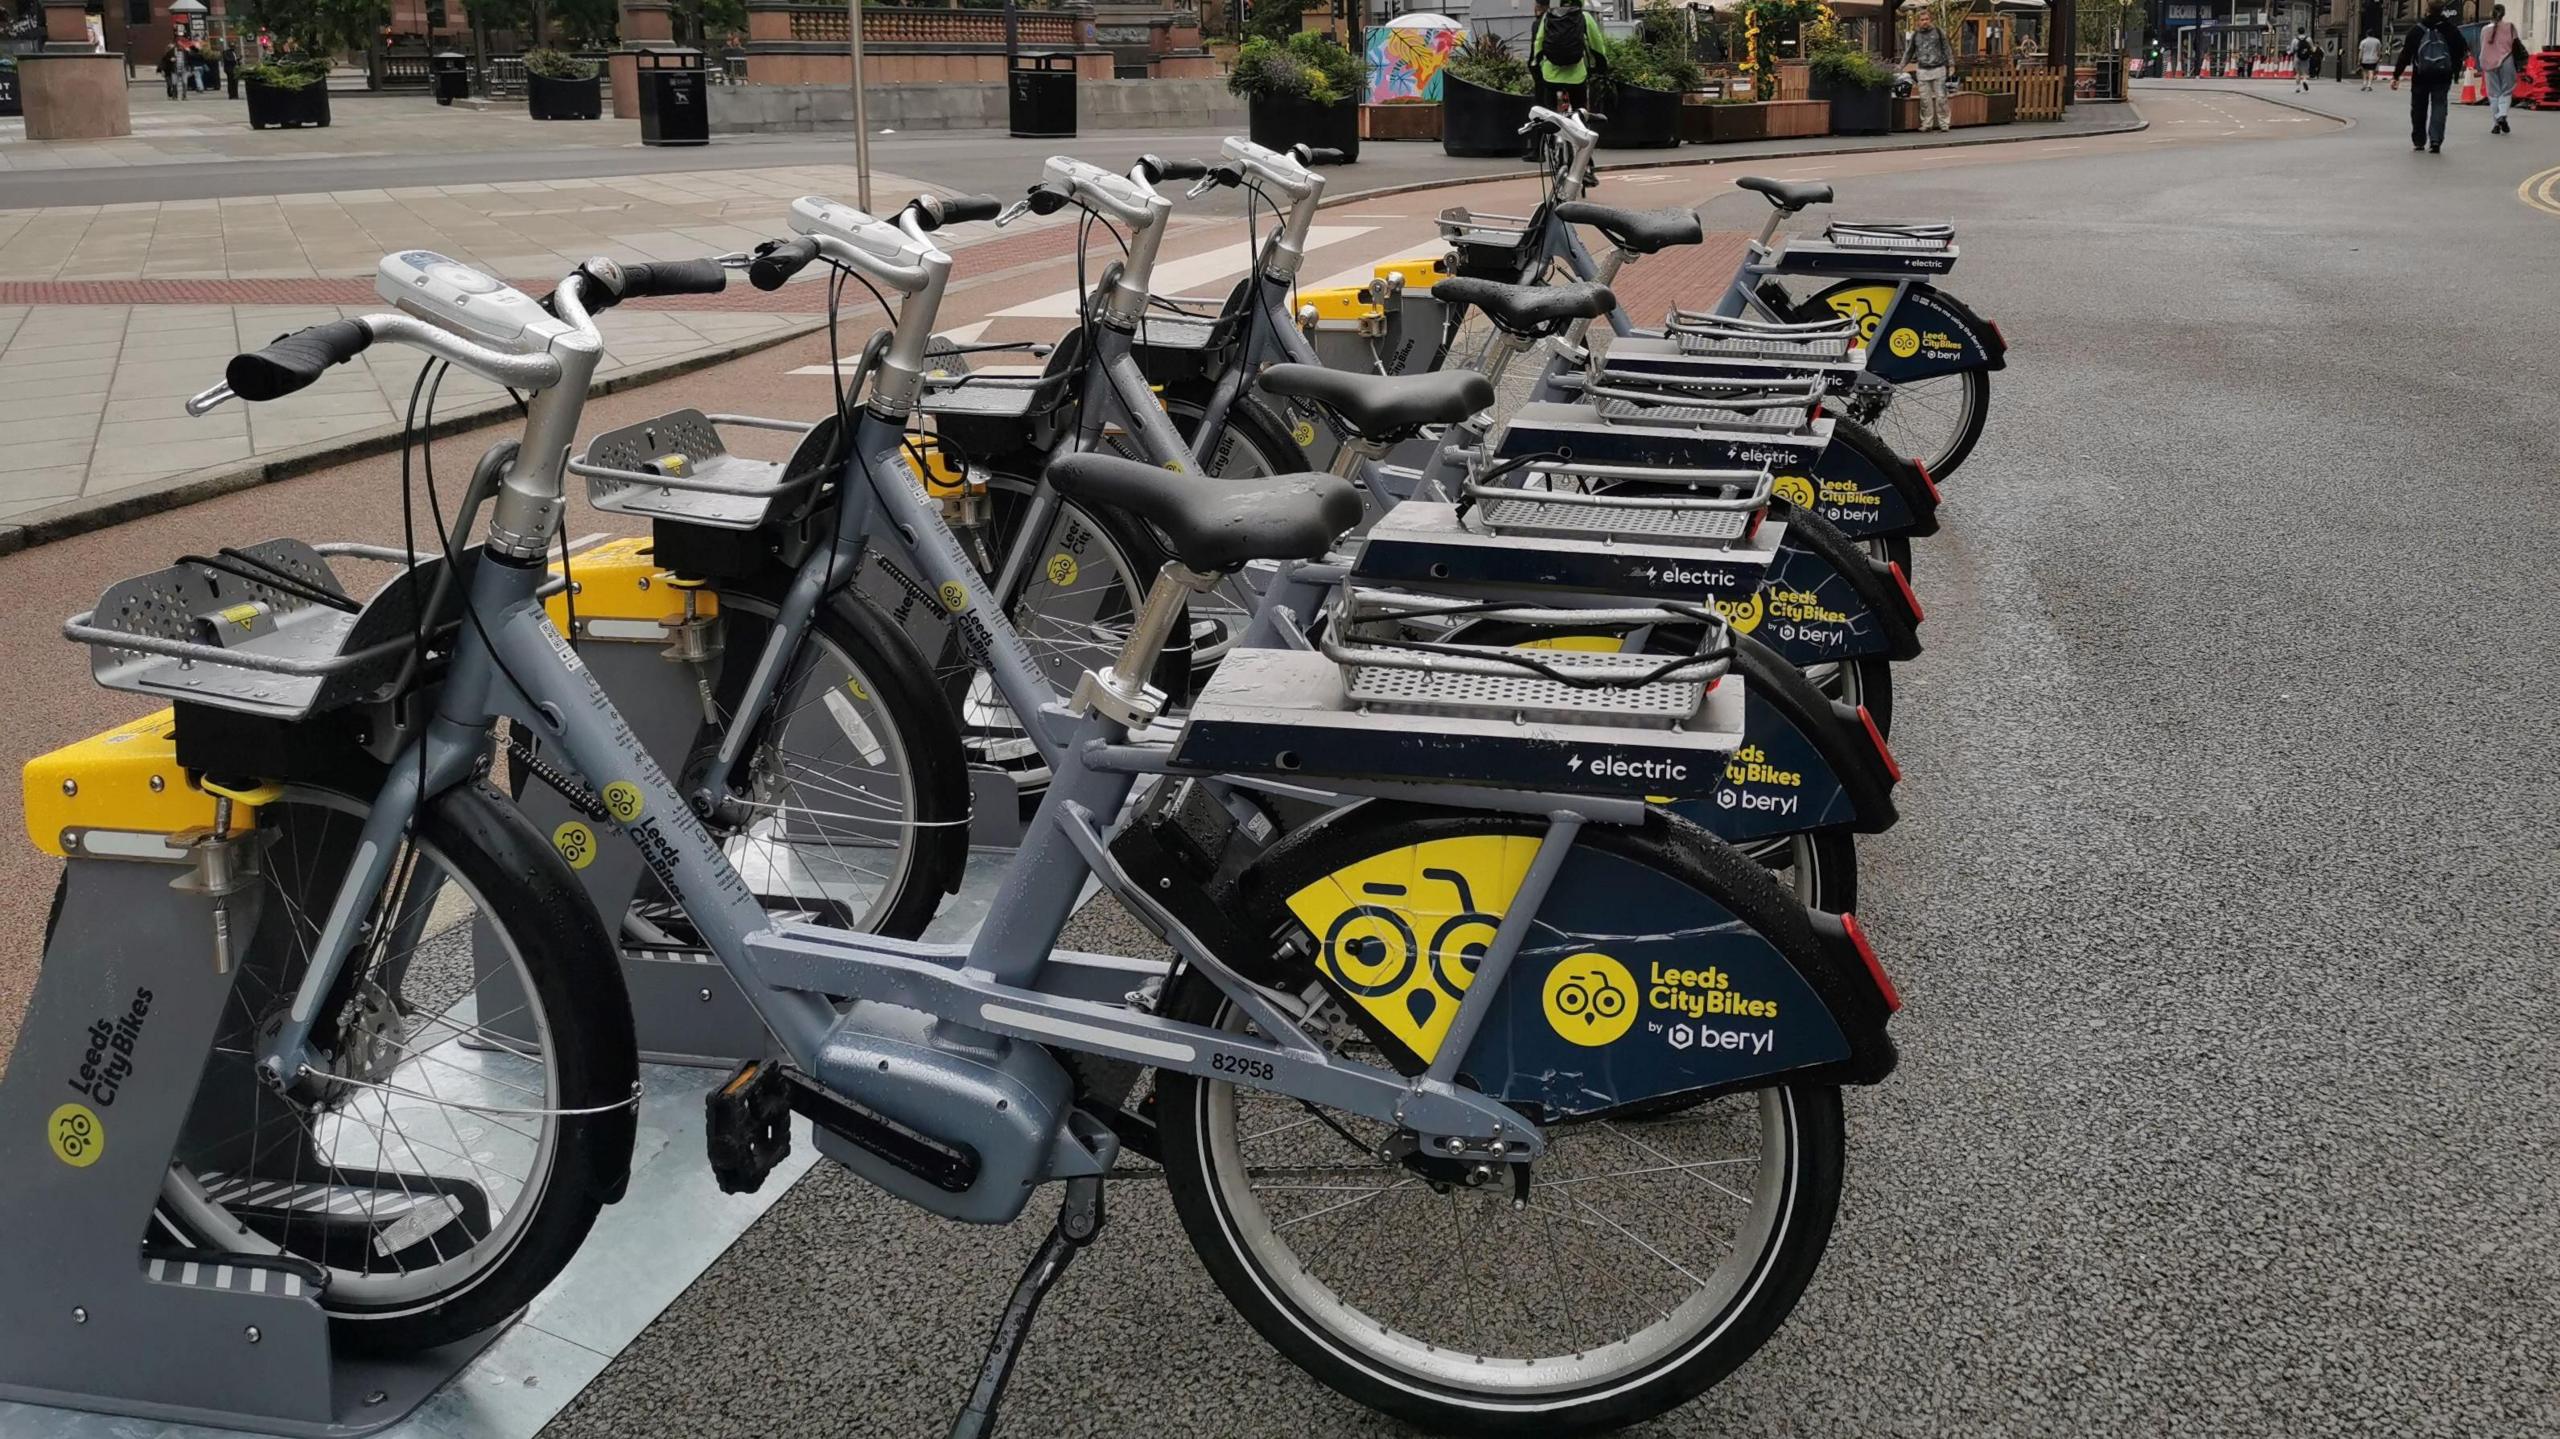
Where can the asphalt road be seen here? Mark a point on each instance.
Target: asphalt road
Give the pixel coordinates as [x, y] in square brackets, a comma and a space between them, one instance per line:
[2220, 902]
[2220, 899]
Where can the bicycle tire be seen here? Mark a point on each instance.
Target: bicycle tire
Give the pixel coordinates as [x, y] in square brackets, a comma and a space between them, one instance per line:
[902, 686]
[527, 891]
[1346, 1351]
[1977, 382]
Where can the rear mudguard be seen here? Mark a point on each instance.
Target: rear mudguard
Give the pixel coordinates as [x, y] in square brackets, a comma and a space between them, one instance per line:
[1933, 332]
[1864, 488]
[1825, 599]
[1635, 982]
[1807, 761]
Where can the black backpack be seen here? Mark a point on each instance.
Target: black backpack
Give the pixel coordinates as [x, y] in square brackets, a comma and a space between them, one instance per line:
[2435, 60]
[1565, 38]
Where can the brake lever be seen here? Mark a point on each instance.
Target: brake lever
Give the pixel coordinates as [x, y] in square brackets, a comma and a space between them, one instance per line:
[202, 403]
[1012, 212]
[734, 260]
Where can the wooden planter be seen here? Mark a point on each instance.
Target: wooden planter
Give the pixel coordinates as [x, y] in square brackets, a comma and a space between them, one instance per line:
[1730, 122]
[1276, 124]
[1965, 107]
[549, 99]
[1794, 119]
[1404, 120]
[1640, 119]
[271, 106]
[1998, 110]
[1478, 121]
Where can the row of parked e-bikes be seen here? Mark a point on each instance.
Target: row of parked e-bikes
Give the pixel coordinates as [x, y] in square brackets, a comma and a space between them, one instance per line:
[1489, 773]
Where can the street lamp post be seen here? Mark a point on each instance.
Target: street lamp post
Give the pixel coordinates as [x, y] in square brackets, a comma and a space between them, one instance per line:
[861, 115]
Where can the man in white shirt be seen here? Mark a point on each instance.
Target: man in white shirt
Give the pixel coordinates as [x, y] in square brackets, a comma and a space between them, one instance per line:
[2369, 57]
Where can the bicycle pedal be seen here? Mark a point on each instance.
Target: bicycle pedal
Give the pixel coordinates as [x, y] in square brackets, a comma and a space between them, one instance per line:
[747, 1126]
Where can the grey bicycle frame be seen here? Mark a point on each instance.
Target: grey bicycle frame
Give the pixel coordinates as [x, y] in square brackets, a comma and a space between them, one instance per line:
[510, 661]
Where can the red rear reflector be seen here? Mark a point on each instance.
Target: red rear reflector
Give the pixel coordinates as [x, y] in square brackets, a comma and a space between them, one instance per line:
[1923, 467]
[1867, 952]
[1883, 751]
[1908, 597]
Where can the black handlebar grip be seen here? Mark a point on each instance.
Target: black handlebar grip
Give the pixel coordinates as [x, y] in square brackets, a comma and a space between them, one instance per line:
[293, 361]
[1312, 155]
[778, 260]
[935, 211]
[1160, 169]
[673, 277]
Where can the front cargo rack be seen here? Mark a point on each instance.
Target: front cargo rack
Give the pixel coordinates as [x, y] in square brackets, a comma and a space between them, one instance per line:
[268, 629]
[676, 467]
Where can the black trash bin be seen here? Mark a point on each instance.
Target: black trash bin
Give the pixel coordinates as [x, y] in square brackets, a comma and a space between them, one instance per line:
[675, 100]
[1043, 99]
[453, 76]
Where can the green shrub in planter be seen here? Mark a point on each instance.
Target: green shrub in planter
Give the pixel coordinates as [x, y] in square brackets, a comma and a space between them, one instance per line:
[559, 86]
[288, 91]
[1858, 86]
[1305, 89]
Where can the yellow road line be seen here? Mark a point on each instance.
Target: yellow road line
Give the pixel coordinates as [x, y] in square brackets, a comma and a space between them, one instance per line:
[2542, 191]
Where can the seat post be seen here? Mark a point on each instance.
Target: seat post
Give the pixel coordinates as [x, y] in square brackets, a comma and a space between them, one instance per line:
[1346, 460]
[1121, 691]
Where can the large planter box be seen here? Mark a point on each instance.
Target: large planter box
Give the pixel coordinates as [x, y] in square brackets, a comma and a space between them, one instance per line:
[549, 99]
[1277, 124]
[1728, 123]
[1406, 120]
[1965, 107]
[1478, 121]
[1998, 110]
[270, 106]
[1640, 119]
[1793, 119]
[1856, 109]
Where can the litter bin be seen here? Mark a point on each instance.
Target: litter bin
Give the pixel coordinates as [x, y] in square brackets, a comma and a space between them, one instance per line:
[453, 76]
[675, 104]
[1043, 99]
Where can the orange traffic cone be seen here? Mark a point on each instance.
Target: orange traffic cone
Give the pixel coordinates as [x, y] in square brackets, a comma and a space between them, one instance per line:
[2470, 85]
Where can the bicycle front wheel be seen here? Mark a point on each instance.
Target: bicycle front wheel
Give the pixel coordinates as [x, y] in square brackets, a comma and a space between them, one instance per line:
[1659, 1246]
[1935, 421]
[476, 1109]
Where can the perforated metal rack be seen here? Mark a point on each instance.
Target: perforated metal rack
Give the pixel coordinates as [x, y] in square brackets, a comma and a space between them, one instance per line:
[1489, 246]
[218, 638]
[1767, 413]
[1708, 509]
[1828, 346]
[1375, 638]
[676, 467]
[1891, 234]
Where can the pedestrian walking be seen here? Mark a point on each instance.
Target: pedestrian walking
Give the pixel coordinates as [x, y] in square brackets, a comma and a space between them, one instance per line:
[169, 70]
[2430, 57]
[2501, 53]
[230, 70]
[2306, 60]
[1926, 56]
[2369, 58]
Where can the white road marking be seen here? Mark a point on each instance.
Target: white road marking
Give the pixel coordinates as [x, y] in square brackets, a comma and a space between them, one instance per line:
[1173, 277]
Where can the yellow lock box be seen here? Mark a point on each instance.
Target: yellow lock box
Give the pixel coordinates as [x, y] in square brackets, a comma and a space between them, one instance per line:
[119, 791]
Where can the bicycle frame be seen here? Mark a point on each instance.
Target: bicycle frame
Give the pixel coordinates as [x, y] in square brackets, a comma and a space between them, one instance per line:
[510, 661]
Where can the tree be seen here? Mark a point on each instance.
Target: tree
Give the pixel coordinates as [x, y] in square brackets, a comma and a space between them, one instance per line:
[318, 26]
[1278, 19]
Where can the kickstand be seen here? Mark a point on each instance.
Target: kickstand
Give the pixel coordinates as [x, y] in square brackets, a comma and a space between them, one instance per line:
[1079, 1220]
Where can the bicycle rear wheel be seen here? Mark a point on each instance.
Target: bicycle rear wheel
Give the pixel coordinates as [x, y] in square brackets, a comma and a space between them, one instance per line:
[440, 1173]
[1656, 1251]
